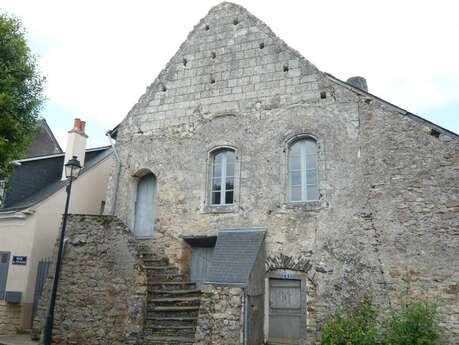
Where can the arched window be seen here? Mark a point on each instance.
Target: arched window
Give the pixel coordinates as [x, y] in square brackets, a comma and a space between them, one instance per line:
[302, 171]
[222, 177]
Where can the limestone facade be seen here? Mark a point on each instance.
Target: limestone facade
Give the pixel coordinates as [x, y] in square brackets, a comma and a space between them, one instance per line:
[387, 217]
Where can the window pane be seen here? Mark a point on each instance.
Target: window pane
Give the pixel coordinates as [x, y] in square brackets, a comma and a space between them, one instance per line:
[219, 157]
[229, 169]
[217, 170]
[295, 194]
[216, 198]
[295, 178]
[217, 184]
[312, 193]
[230, 183]
[230, 158]
[311, 177]
[229, 197]
[294, 163]
[311, 146]
[295, 149]
[311, 161]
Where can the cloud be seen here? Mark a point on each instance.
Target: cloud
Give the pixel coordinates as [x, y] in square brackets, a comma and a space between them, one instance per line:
[99, 56]
[61, 136]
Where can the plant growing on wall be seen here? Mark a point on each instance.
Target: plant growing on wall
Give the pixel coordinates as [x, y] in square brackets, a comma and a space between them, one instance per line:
[352, 327]
[415, 323]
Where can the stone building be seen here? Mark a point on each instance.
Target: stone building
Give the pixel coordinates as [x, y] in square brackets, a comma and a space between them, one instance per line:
[280, 191]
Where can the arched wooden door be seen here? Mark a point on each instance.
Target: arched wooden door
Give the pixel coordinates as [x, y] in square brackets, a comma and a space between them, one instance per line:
[144, 225]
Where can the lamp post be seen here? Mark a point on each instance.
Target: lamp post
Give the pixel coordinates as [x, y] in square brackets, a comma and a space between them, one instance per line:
[72, 170]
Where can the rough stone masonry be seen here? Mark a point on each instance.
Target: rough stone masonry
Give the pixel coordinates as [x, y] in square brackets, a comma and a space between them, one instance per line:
[386, 219]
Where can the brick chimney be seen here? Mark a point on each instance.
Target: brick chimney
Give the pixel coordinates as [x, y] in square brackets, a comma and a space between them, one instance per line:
[76, 143]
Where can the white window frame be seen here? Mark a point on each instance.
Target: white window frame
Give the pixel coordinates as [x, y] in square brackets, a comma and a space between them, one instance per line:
[222, 177]
[303, 170]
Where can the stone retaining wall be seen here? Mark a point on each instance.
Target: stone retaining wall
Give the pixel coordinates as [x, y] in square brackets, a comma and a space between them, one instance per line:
[10, 318]
[101, 297]
[220, 316]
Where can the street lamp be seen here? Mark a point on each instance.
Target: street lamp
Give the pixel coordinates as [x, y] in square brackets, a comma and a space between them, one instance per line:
[72, 170]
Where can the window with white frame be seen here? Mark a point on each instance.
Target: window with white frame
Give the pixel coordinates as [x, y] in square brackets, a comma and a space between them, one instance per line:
[302, 171]
[222, 177]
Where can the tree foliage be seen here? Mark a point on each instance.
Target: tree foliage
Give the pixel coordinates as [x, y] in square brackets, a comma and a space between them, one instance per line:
[21, 97]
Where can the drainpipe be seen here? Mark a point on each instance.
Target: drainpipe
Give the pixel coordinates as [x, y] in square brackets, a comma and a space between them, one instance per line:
[117, 174]
[246, 317]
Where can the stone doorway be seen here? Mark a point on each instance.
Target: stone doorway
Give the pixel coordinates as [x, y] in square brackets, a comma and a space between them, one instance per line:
[286, 301]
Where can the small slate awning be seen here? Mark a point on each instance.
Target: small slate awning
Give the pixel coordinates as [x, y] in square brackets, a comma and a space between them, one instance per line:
[235, 254]
[200, 240]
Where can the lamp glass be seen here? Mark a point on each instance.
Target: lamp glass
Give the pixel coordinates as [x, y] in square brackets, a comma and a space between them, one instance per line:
[72, 168]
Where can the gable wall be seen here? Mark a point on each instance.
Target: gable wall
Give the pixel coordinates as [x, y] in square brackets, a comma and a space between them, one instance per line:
[389, 197]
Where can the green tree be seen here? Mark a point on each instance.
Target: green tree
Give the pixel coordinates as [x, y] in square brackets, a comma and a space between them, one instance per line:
[21, 97]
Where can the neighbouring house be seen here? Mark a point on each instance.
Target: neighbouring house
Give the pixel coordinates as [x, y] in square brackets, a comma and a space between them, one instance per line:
[30, 217]
[44, 142]
[255, 194]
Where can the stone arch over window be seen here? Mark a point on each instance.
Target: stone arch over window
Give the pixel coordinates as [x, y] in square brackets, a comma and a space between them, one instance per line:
[222, 183]
[302, 169]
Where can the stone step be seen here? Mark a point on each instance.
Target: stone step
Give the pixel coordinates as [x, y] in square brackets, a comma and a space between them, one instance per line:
[170, 320]
[169, 285]
[175, 301]
[164, 276]
[176, 311]
[167, 292]
[160, 268]
[168, 340]
[155, 261]
[171, 330]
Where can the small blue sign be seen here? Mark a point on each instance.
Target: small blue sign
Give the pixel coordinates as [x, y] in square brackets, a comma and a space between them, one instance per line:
[19, 260]
[286, 276]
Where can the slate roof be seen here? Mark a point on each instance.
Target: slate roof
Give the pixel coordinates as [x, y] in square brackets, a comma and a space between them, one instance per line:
[39, 177]
[234, 255]
[44, 143]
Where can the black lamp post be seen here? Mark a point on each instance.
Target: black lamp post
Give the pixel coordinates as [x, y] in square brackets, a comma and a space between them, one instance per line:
[72, 170]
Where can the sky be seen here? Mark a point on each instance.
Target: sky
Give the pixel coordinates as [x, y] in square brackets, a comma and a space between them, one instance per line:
[99, 56]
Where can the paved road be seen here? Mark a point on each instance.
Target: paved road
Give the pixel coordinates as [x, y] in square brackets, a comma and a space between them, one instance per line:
[20, 339]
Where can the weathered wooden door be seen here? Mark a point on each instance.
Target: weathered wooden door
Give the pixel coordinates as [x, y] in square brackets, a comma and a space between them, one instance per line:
[200, 260]
[285, 311]
[4, 264]
[145, 207]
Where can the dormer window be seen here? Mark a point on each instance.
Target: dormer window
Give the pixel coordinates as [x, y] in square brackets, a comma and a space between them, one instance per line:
[222, 177]
[302, 171]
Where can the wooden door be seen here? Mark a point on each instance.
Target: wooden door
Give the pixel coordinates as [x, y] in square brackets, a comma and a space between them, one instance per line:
[4, 265]
[200, 261]
[145, 207]
[285, 311]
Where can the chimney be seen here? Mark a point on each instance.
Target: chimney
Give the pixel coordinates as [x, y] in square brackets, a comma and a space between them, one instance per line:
[76, 143]
[358, 82]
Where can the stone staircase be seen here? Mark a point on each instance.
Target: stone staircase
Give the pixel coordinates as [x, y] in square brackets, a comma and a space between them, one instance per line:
[172, 303]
